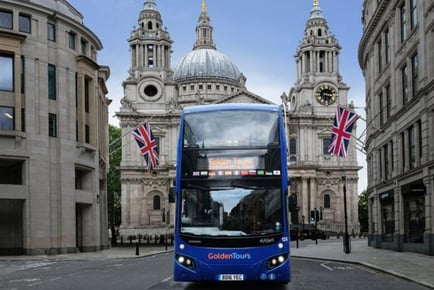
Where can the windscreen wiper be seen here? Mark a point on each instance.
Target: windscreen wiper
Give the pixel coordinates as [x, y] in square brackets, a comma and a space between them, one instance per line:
[253, 187]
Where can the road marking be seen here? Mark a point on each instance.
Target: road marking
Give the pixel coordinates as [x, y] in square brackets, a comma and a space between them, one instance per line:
[166, 279]
[344, 268]
[34, 265]
[24, 280]
[327, 267]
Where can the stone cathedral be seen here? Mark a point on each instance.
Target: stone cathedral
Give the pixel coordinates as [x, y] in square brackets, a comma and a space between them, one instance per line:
[156, 91]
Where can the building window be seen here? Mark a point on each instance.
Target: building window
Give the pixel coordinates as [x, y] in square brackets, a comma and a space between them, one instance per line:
[412, 146]
[76, 89]
[51, 31]
[76, 130]
[83, 179]
[404, 80]
[6, 73]
[51, 82]
[403, 149]
[420, 138]
[209, 87]
[6, 19]
[380, 164]
[25, 23]
[380, 56]
[380, 99]
[414, 74]
[7, 116]
[387, 44]
[156, 203]
[11, 171]
[325, 145]
[83, 43]
[87, 134]
[388, 102]
[386, 161]
[414, 213]
[22, 74]
[23, 120]
[86, 95]
[414, 18]
[157, 141]
[392, 167]
[321, 61]
[71, 40]
[151, 61]
[403, 23]
[387, 216]
[292, 146]
[52, 125]
[326, 200]
[92, 52]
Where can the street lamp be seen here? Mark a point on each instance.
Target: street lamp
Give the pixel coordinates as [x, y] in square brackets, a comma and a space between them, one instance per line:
[347, 246]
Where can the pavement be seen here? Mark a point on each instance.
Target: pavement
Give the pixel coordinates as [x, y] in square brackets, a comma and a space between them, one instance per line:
[410, 266]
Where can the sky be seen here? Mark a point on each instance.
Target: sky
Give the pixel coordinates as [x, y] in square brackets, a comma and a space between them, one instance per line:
[260, 37]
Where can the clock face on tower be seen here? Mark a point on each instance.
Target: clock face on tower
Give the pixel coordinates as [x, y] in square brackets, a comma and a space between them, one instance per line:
[326, 95]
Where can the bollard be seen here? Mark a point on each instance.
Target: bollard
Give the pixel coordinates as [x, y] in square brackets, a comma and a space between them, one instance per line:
[137, 249]
[298, 236]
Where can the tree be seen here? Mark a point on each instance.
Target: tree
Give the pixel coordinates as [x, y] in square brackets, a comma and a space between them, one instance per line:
[363, 211]
[114, 180]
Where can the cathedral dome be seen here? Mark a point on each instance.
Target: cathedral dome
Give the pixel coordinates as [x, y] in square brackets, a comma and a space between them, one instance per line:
[206, 63]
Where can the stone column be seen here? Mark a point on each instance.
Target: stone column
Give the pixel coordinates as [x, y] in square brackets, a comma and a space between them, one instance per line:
[429, 207]
[305, 198]
[377, 220]
[398, 237]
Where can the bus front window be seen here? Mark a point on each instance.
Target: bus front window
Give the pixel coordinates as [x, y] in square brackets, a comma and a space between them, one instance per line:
[231, 212]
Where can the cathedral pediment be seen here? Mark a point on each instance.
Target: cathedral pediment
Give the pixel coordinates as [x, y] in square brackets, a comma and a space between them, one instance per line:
[244, 96]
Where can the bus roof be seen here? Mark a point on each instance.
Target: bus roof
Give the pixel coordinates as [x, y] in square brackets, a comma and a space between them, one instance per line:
[232, 106]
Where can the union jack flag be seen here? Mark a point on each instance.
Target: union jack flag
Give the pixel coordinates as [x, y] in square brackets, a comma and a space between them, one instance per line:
[147, 144]
[341, 131]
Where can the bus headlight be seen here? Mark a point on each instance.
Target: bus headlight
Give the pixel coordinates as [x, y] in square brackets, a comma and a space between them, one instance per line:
[276, 261]
[186, 261]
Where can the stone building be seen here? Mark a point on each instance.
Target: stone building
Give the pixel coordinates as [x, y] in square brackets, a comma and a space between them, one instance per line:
[53, 131]
[156, 92]
[396, 56]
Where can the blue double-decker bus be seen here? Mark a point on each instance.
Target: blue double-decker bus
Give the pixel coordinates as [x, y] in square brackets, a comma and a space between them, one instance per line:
[231, 195]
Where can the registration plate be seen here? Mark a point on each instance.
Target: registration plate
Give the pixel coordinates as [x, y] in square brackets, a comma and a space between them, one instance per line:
[231, 277]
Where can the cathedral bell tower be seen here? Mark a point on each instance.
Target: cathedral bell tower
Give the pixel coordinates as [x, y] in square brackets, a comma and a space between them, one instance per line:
[316, 175]
[150, 48]
[319, 84]
[150, 94]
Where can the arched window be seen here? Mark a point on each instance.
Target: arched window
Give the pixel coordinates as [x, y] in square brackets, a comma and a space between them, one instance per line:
[327, 200]
[319, 32]
[156, 202]
[149, 25]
